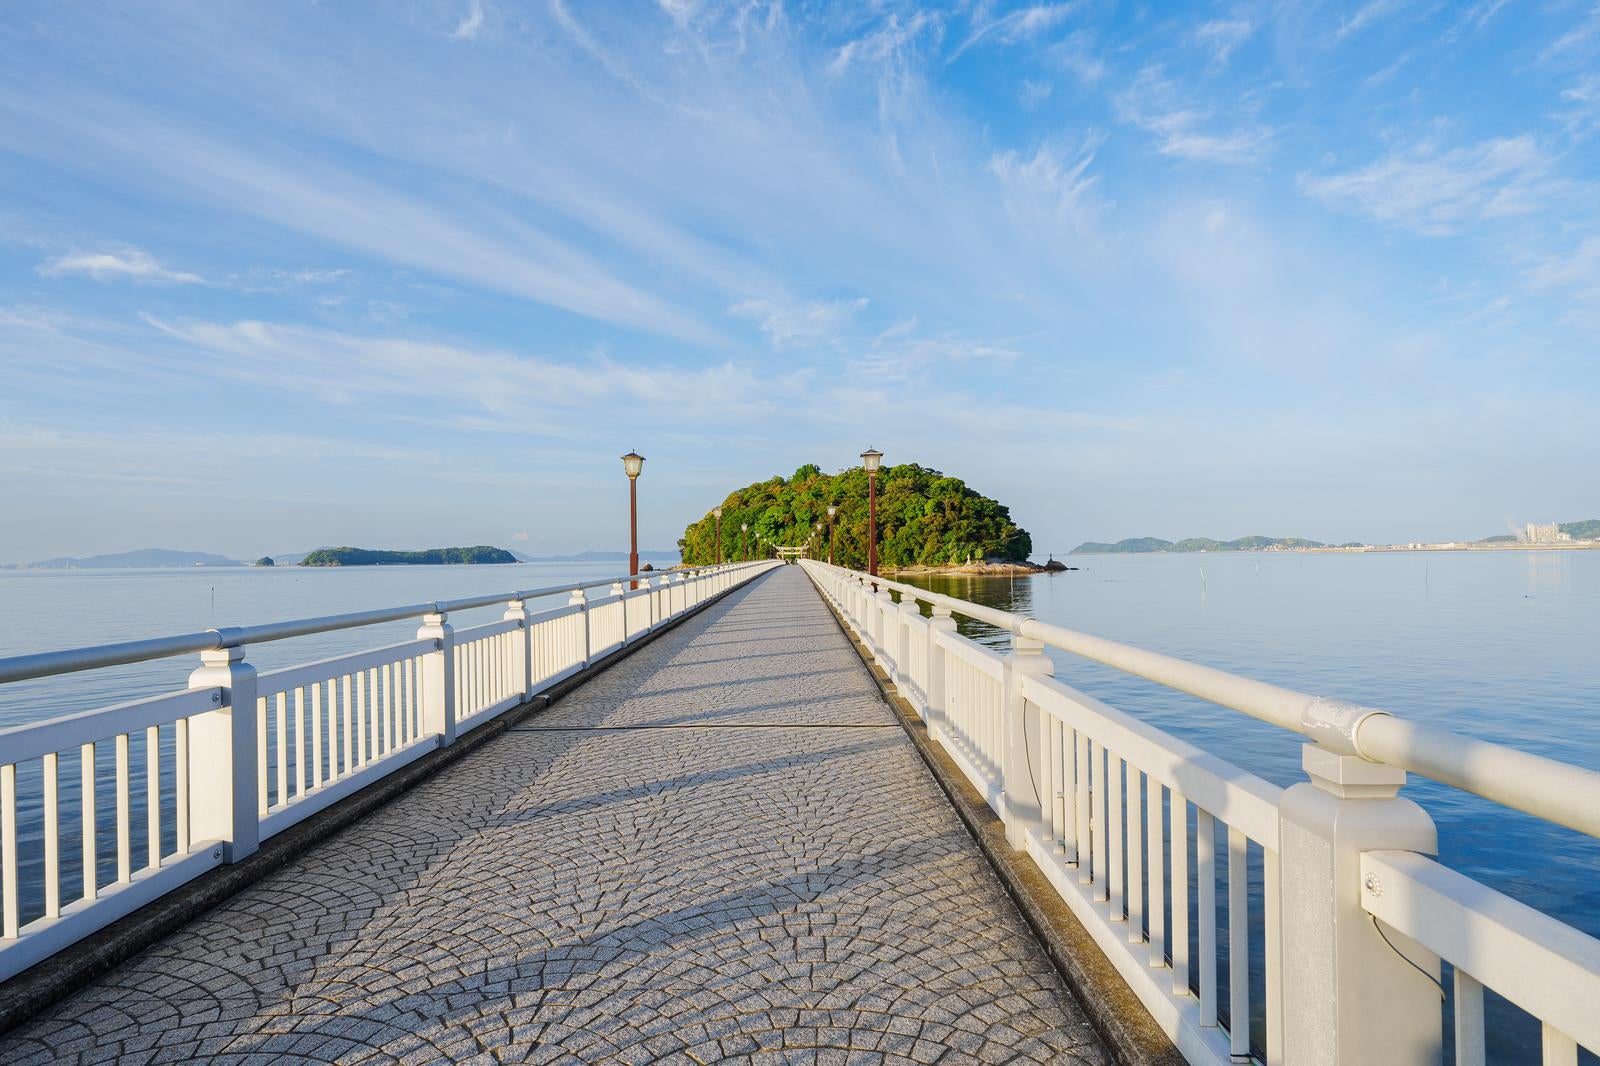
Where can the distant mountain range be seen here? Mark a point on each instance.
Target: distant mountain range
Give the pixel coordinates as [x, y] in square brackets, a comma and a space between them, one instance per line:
[1194, 544]
[141, 558]
[157, 558]
[1585, 530]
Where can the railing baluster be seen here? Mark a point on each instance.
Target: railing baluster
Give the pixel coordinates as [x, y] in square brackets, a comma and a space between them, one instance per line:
[180, 782]
[1559, 1048]
[345, 709]
[359, 679]
[152, 795]
[90, 859]
[299, 741]
[262, 741]
[1179, 819]
[1469, 1020]
[1114, 835]
[316, 735]
[1080, 778]
[1155, 847]
[1100, 819]
[381, 675]
[1205, 857]
[281, 748]
[124, 856]
[1054, 790]
[1045, 783]
[10, 921]
[52, 835]
[1238, 944]
[1135, 843]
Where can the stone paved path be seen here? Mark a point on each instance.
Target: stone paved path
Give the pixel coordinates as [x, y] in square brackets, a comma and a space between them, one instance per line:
[723, 848]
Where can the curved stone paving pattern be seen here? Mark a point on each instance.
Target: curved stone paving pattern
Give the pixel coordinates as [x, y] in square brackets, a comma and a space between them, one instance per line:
[674, 863]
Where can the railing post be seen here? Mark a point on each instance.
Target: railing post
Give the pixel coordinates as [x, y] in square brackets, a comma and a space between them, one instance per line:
[581, 601]
[939, 622]
[439, 679]
[517, 611]
[1349, 996]
[1021, 807]
[222, 757]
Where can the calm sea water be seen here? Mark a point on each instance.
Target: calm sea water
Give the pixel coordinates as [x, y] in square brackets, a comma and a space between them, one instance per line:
[1499, 645]
[1504, 646]
[51, 609]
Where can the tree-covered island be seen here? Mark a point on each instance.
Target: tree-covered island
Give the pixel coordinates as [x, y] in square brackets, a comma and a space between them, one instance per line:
[430, 557]
[925, 520]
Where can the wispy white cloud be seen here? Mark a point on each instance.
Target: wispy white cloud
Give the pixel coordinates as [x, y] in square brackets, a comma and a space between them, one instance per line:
[1578, 44]
[1436, 192]
[1014, 27]
[322, 200]
[1222, 37]
[1182, 126]
[467, 29]
[342, 367]
[1580, 113]
[1475, 18]
[890, 46]
[1053, 186]
[1367, 15]
[1579, 268]
[800, 325]
[1034, 93]
[129, 264]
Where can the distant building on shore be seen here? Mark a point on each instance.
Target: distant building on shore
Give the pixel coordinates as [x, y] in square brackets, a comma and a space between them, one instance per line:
[1547, 534]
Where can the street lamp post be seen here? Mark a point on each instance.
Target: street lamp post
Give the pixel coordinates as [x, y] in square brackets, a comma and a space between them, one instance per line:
[716, 512]
[632, 463]
[744, 542]
[832, 510]
[870, 459]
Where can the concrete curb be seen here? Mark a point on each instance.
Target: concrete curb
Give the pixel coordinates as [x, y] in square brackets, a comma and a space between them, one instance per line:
[63, 973]
[1129, 1032]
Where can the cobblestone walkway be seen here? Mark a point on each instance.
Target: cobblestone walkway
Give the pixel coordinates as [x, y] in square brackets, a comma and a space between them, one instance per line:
[723, 848]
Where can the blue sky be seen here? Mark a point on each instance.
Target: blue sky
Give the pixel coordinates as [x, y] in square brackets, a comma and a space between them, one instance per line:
[406, 274]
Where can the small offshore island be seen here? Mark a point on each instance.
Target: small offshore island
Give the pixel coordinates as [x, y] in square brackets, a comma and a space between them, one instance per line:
[928, 522]
[479, 554]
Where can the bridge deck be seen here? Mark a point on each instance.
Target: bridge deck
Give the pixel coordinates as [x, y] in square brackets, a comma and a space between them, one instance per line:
[722, 846]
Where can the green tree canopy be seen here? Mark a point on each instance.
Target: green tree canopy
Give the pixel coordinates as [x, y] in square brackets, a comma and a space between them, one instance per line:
[924, 518]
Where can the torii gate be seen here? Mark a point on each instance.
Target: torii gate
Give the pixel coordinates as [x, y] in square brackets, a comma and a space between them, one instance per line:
[789, 554]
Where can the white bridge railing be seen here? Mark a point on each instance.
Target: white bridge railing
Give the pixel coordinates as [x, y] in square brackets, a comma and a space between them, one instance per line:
[239, 757]
[1331, 921]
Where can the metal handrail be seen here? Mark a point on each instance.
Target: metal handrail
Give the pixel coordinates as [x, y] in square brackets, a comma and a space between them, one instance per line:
[72, 660]
[1558, 792]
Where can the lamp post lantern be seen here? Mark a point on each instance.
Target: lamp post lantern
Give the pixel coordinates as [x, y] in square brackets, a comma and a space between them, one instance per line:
[832, 510]
[870, 459]
[716, 513]
[632, 463]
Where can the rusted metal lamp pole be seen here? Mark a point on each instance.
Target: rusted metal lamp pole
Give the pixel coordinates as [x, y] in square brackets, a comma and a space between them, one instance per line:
[632, 463]
[832, 510]
[870, 459]
[744, 542]
[716, 513]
